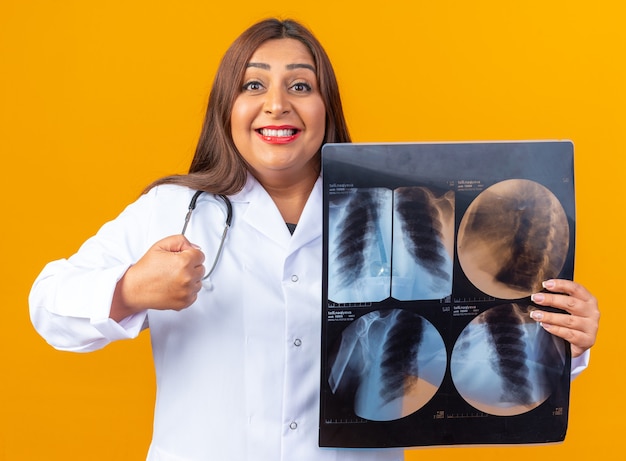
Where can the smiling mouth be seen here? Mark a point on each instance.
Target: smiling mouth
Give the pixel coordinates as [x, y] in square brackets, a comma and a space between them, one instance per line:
[278, 135]
[281, 133]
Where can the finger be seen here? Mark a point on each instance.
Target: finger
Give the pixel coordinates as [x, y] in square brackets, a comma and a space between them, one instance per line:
[198, 271]
[196, 255]
[184, 302]
[179, 245]
[576, 300]
[172, 244]
[568, 287]
[563, 302]
[565, 295]
[553, 319]
[175, 244]
[579, 342]
[567, 327]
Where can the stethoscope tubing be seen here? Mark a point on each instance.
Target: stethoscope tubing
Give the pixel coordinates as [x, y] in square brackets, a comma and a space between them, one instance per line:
[227, 224]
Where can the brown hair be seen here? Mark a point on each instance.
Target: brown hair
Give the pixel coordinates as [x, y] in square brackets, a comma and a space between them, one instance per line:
[217, 166]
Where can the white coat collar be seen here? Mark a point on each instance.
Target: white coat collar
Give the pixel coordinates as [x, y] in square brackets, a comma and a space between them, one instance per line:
[263, 215]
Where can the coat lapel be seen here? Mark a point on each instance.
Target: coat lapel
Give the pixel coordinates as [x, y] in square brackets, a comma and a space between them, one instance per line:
[262, 214]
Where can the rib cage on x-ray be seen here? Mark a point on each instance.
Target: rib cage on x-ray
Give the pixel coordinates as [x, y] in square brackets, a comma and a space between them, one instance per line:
[513, 236]
[388, 364]
[359, 227]
[532, 241]
[504, 363]
[507, 339]
[361, 243]
[423, 244]
[399, 368]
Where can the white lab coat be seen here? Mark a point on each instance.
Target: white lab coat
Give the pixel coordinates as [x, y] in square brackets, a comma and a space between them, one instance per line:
[237, 372]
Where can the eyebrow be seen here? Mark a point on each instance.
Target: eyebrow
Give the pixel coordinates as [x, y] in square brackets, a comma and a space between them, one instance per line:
[264, 66]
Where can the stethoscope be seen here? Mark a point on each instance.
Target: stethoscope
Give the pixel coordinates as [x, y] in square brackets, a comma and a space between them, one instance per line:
[229, 219]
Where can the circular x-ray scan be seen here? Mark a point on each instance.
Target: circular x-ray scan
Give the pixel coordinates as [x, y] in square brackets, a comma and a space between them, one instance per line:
[504, 363]
[513, 236]
[388, 364]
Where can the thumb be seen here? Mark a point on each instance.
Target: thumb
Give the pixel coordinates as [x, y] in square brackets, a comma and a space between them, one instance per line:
[175, 244]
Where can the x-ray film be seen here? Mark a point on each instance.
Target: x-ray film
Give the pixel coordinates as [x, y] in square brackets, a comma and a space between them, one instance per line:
[431, 253]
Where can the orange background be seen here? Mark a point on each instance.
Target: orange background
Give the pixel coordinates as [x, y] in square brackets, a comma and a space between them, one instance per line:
[97, 98]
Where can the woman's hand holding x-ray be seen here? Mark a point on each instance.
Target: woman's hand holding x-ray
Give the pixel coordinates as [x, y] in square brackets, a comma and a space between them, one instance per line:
[168, 276]
[581, 327]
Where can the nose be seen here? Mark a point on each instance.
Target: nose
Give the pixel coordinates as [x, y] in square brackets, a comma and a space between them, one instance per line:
[276, 101]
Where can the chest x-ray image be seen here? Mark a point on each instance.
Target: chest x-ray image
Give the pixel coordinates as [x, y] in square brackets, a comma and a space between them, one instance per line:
[360, 245]
[431, 251]
[423, 244]
[513, 236]
[390, 243]
[388, 364]
[504, 363]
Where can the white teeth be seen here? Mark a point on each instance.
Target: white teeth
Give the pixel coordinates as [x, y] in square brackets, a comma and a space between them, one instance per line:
[277, 133]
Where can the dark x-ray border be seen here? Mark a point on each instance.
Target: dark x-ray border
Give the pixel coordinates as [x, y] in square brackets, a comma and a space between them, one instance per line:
[467, 169]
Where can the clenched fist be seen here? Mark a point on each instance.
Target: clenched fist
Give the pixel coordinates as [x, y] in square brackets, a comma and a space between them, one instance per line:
[168, 276]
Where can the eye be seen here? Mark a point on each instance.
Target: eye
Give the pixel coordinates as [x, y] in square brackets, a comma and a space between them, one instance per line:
[301, 87]
[253, 85]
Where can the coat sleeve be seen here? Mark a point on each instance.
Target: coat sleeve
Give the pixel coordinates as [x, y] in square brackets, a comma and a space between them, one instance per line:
[580, 363]
[70, 300]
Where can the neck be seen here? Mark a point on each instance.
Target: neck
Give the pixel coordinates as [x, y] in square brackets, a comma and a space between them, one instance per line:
[291, 198]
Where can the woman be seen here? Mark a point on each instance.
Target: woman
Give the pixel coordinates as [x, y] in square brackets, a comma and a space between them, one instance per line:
[237, 362]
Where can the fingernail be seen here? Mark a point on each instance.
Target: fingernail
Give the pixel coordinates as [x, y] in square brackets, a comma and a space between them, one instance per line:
[197, 247]
[536, 315]
[537, 298]
[548, 284]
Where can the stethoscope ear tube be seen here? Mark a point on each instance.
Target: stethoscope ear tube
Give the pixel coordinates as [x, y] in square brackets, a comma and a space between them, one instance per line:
[229, 208]
[192, 206]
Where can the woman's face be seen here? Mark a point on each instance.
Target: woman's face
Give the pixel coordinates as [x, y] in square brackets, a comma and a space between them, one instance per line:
[278, 118]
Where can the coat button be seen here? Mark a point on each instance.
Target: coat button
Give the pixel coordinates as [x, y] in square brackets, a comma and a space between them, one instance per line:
[294, 278]
[297, 342]
[293, 425]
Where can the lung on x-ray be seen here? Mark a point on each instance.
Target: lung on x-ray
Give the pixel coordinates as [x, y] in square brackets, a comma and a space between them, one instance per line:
[431, 253]
[364, 265]
[503, 363]
[388, 364]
